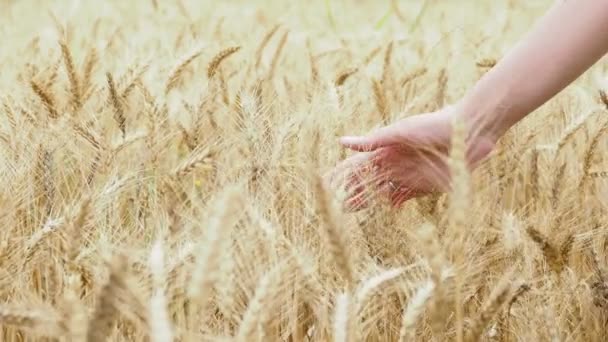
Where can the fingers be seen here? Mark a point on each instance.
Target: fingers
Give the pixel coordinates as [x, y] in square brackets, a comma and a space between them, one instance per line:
[403, 195]
[382, 137]
[424, 130]
[353, 177]
[361, 189]
[399, 194]
[361, 196]
[356, 203]
[366, 176]
[350, 170]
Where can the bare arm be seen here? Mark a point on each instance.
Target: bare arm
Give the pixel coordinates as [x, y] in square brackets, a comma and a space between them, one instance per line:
[567, 41]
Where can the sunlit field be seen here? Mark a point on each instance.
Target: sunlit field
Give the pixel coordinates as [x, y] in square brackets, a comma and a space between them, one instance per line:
[162, 177]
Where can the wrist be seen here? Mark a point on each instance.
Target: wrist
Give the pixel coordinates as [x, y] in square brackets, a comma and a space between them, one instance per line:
[487, 111]
[479, 141]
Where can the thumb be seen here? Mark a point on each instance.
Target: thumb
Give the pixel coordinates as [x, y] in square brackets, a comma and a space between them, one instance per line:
[382, 137]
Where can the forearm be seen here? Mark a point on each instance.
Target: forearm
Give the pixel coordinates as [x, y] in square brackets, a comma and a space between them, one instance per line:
[568, 40]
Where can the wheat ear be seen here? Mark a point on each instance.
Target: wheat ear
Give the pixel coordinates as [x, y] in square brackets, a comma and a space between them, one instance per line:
[334, 239]
[72, 75]
[119, 112]
[47, 99]
[498, 299]
[414, 309]
[591, 149]
[106, 309]
[90, 62]
[343, 76]
[381, 100]
[277, 55]
[267, 37]
[208, 262]
[178, 70]
[159, 320]
[551, 254]
[218, 59]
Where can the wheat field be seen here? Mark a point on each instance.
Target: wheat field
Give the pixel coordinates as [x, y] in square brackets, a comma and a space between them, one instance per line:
[161, 172]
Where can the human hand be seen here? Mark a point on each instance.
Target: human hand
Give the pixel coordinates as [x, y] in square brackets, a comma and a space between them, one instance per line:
[403, 160]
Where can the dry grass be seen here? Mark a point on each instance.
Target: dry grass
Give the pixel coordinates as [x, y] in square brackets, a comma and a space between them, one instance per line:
[158, 185]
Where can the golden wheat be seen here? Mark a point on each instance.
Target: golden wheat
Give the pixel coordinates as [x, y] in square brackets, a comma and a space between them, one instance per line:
[149, 198]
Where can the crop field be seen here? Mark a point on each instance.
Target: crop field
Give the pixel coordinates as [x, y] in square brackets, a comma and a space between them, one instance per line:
[163, 163]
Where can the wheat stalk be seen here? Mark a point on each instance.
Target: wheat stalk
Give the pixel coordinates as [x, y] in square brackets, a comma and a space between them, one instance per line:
[267, 37]
[277, 55]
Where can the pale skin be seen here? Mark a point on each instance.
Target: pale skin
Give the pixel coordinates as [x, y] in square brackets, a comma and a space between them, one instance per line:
[407, 158]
